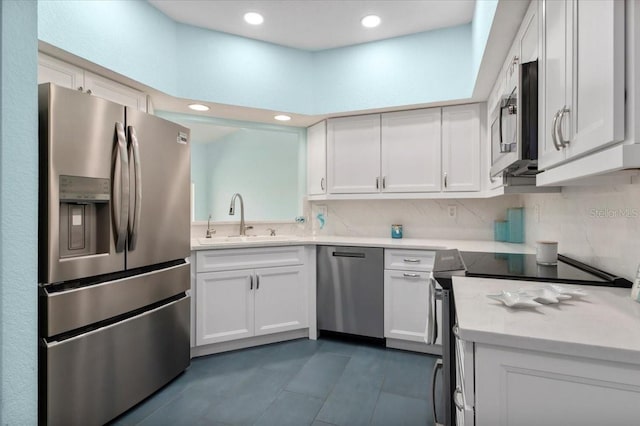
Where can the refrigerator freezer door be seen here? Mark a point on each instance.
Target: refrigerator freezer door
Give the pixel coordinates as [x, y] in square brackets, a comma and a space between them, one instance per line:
[93, 377]
[72, 309]
[81, 173]
[160, 170]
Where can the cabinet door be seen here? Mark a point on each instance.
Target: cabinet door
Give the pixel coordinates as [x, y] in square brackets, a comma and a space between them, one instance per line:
[598, 97]
[353, 154]
[461, 148]
[115, 92]
[280, 300]
[224, 306]
[411, 151]
[405, 305]
[51, 70]
[555, 76]
[519, 387]
[317, 159]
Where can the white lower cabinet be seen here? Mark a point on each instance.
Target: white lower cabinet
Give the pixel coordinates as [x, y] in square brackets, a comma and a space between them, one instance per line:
[525, 387]
[224, 306]
[406, 297]
[280, 299]
[247, 301]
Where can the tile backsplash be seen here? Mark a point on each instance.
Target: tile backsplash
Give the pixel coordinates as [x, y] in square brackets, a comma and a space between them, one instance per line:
[419, 218]
[597, 225]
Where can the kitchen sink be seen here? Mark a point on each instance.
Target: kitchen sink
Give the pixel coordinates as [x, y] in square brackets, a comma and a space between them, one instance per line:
[245, 238]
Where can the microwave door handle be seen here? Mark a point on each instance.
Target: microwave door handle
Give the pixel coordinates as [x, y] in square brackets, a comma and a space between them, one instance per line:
[120, 189]
[134, 217]
[500, 127]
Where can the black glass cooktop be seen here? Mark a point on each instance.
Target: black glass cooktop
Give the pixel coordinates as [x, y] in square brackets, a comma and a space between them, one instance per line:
[524, 267]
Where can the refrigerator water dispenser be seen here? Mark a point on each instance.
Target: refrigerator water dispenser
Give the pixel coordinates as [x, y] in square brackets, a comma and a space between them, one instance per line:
[84, 215]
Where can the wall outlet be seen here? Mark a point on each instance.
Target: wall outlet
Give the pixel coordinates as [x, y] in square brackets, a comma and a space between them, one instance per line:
[453, 211]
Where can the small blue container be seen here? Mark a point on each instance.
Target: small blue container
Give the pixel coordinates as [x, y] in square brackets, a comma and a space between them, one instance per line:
[515, 218]
[396, 231]
[500, 230]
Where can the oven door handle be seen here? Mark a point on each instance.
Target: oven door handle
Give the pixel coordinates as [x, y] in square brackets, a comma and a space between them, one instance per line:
[437, 366]
[434, 294]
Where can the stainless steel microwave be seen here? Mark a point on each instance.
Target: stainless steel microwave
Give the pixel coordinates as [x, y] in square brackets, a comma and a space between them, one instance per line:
[514, 125]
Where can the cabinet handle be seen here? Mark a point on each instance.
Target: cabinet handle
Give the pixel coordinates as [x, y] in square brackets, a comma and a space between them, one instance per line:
[560, 136]
[458, 403]
[445, 179]
[80, 88]
[322, 184]
[411, 275]
[257, 282]
[89, 92]
[250, 282]
[456, 331]
[384, 182]
[378, 183]
[554, 127]
[411, 260]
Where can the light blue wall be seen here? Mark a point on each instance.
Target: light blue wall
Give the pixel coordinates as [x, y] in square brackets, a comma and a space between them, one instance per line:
[418, 68]
[266, 163]
[262, 165]
[18, 213]
[135, 39]
[483, 15]
[200, 178]
[234, 70]
[129, 37]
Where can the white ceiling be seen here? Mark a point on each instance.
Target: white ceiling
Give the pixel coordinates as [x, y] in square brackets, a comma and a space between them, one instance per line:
[319, 24]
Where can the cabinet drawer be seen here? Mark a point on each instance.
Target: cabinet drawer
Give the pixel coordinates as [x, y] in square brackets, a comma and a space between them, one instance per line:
[409, 260]
[249, 258]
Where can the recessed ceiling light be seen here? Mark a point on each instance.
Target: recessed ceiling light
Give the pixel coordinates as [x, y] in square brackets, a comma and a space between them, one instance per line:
[370, 21]
[199, 107]
[253, 18]
[282, 117]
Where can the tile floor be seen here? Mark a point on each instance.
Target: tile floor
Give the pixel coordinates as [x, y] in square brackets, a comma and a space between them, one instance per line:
[301, 382]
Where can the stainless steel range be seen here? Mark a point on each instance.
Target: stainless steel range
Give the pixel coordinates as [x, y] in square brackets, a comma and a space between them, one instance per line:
[512, 266]
[113, 241]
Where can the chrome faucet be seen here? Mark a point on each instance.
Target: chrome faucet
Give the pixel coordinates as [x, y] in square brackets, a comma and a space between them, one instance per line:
[243, 228]
[210, 231]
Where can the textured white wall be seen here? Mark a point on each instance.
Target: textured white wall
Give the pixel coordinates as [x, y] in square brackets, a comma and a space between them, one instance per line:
[596, 225]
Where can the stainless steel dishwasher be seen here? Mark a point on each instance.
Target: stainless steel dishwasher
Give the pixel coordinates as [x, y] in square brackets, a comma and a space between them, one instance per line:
[350, 284]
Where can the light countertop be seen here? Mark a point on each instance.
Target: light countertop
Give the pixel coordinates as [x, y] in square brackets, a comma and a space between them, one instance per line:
[401, 243]
[603, 325]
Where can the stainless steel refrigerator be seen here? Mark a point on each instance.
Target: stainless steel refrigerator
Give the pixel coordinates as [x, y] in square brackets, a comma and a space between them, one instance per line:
[114, 226]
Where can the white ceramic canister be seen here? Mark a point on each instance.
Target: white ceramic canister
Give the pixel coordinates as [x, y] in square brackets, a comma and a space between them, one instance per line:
[547, 252]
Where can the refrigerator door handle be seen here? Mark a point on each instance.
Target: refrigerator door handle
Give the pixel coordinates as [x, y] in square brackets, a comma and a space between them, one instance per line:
[120, 188]
[134, 217]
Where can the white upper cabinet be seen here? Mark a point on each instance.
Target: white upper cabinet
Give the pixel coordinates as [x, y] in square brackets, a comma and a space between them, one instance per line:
[461, 148]
[317, 159]
[51, 70]
[353, 154]
[404, 152]
[115, 92]
[581, 80]
[67, 75]
[411, 151]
